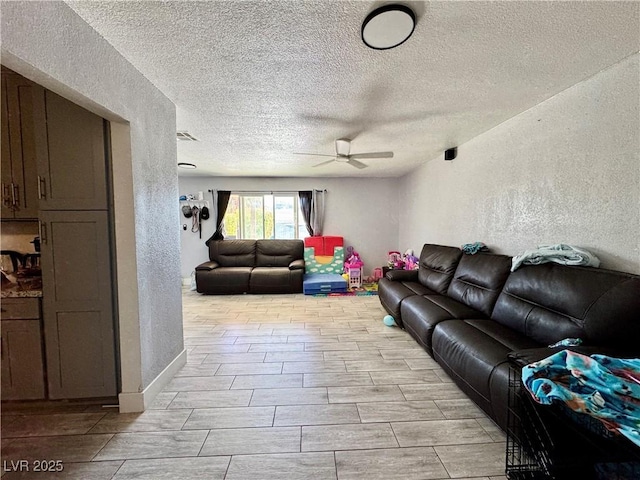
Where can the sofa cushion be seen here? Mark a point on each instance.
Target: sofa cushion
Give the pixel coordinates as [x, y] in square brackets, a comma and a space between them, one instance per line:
[551, 302]
[275, 280]
[233, 253]
[223, 281]
[278, 253]
[472, 352]
[420, 315]
[479, 279]
[391, 294]
[437, 266]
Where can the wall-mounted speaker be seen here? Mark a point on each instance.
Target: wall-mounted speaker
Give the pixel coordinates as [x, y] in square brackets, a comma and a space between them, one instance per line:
[451, 153]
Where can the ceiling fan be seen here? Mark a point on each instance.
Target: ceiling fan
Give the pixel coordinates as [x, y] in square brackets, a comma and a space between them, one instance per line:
[343, 147]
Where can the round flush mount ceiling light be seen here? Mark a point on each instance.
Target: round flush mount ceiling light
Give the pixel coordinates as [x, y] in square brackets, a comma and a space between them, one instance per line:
[388, 26]
[186, 165]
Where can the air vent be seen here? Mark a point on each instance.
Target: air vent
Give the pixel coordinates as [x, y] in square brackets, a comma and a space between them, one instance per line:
[186, 136]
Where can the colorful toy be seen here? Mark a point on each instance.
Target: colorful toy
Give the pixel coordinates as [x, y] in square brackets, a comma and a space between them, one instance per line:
[313, 284]
[377, 274]
[388, 320]
[395, 260]
[353, 260]
[324, 263]
[324, 254]
[355, 277]
[411, 262]
[353, 266]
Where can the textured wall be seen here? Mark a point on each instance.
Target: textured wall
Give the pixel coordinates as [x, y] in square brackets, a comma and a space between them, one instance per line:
[49, 43]
[565, 171]
[363, 211]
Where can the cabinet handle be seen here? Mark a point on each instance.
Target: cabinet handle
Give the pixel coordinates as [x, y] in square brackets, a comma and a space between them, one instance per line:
[42, 187]
[15, 194]
[12, 192]
[42, 231]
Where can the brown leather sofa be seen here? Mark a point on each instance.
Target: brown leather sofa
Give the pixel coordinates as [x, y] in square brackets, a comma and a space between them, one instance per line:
[252, 266]
[473, 315]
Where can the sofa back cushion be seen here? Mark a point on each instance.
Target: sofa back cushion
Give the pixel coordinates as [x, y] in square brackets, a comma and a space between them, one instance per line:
[479, 279]
[551, 302]
[437, 266]
[278, 253]
[233, 253]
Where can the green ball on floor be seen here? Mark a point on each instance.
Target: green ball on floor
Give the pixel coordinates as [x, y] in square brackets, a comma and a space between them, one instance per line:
[389, 320]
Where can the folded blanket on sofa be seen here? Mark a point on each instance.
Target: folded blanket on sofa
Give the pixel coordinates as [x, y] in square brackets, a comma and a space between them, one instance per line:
[603, 387]
[473, 248]
[560, 253]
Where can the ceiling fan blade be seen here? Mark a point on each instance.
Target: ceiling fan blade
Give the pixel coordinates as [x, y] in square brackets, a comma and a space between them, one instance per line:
[356, 163]
[325, 163]
[372, 155]
[313, 154]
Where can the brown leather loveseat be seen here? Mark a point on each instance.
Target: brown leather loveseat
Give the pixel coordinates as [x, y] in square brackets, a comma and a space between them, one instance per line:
[473, 315]
[252, 266]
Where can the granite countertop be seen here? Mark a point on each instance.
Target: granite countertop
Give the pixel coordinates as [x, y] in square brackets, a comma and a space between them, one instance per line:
[21, 286]
[17, 292]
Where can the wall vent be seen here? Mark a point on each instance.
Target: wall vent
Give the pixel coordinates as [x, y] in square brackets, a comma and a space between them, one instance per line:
[186, 136]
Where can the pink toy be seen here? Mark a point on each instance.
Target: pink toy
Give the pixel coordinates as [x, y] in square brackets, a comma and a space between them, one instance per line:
[411, 262]
[395, 260]
[377, 274]
[353, 266]
[353, 261]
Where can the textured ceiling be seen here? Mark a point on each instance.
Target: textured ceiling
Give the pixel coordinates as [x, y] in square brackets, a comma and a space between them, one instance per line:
[255, 81]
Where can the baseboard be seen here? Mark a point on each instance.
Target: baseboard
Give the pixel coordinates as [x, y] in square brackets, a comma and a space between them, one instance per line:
[140, 401]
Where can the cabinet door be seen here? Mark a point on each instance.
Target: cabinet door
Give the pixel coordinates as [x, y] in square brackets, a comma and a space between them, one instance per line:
[71, 155]
[22, 367]
[77, 304]
[20, 182]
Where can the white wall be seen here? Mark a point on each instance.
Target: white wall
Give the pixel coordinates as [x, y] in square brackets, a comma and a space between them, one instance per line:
[565, 171]
[363, 211]
[48, 43]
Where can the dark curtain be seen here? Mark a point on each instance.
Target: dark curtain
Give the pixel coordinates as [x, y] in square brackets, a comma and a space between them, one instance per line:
[305, 206]
[223, 203]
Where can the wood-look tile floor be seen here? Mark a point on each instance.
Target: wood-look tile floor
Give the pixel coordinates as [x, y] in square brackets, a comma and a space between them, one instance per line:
[279, 387]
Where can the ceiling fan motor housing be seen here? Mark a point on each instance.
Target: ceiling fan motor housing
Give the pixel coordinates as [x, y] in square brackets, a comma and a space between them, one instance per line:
[343, 146]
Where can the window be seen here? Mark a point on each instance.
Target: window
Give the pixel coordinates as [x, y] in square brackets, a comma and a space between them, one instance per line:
[264, 215]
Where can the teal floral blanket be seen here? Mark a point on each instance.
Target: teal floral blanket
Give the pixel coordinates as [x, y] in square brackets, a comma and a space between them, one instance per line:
[604, 387]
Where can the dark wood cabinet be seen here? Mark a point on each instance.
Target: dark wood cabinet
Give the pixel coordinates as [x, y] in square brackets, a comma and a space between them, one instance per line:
[55, 161]
[77, 304]
[22, 359]
[19, 168]
[71, 154]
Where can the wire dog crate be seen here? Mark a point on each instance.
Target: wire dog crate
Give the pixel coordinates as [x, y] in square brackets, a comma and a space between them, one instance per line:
[553, 442]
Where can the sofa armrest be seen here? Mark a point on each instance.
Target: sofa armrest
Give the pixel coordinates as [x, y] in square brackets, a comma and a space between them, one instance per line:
[207, 266]
[297, 264]
[402, 275]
